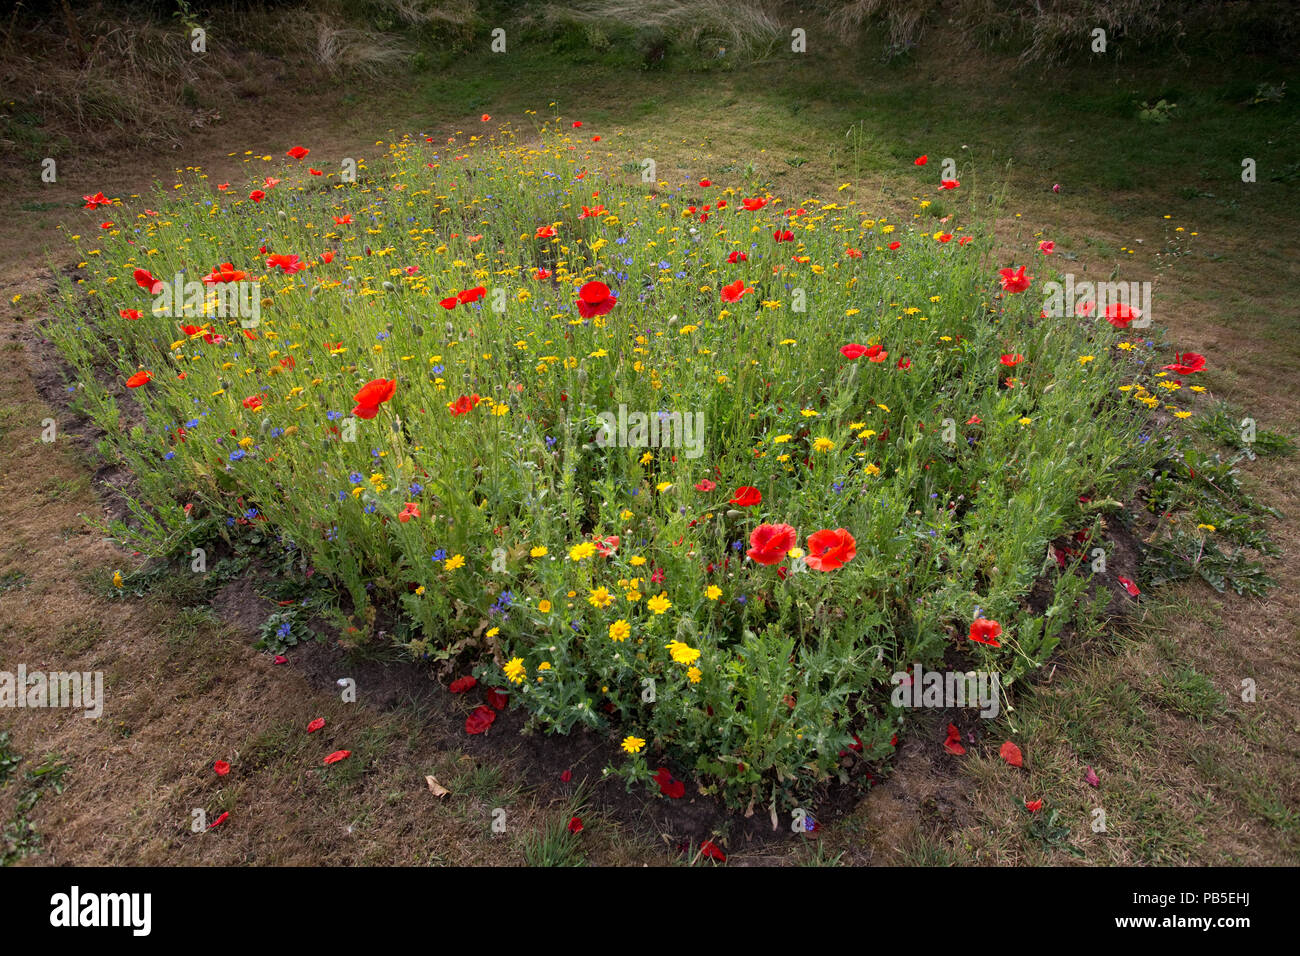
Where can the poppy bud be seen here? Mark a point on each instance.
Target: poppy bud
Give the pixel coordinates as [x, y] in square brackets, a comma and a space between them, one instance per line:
[733, 513]
[582, 376]
[417, 330]
[388, 286]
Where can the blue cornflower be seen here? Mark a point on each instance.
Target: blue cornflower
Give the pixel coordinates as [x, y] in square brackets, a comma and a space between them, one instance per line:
[237, 454]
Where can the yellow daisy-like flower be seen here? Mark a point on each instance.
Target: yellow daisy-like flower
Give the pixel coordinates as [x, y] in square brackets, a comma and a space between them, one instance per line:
[538, 552]
[454, 562]
[872, 469]
[620, 630]
[823, 444]
[493, 632]
[544, 607]
[1205, 527]
[682, 653]
[1085, 359]
[633, 745]
[1026, 421]
[781, 439]
[515, 670]
[659, 603]
[600, 597]
[647, 458]
[713, 592]
[694, 674]
[663, 486]
[580, 551]
[636, 561]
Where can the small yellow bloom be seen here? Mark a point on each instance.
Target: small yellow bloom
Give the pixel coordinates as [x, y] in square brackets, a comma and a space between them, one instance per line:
[454, 562]
[620, 630]
[659, 603]
[633, 745]
[538, 552]
[636, 561]
[600, 597]
[580, 551]
[713, 592]
[682, 653]
[823, 444]
[515, 670]
[544, 606]
[1026, 421]
[694, 674]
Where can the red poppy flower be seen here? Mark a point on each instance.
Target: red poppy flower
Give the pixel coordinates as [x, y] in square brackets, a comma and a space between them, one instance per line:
[853, 351]
[945, 237]
[952, 743]
[221, 768]
[226, 272]
[670, 788]
[316, 725]
[920, 160]
[783, 235]
[1120, 315]
[1011, 754]
[592, 212]
[544, 232]
[974, 420]
[984, 631]
[412, 510]
[737, 256]
[853, 253]
[876, 353]
[575, 825]
[1033, 806]
[905, 363]
[298, 152]
[746, 496]
[566, 776]
[327, 256]
[710, 850]
[373, 394]
[146, 281]
[105, 226]
[131, 314]
[471, 295]
[1015, 280]
[705, 485]
[594, 299]
[462, 684]
[753, 204]
[769, 543]
[1011, 360]
[894, 246]
[288, 264]
[542, 274]
[1129, 586]
[95, 201]
[606, 546]
[1047, 247]
[138, 379]
[253, 402]
[336, 756]
[463, 405]
[480, 719]
[734, 291]
[1187, 363]
[949, 184]
[828, 550]
[344, 220]
[257, 195]
[315, 172]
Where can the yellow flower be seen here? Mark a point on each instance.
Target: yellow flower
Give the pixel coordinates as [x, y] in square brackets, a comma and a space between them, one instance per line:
[117, 579]
[515, 670]
[580, 551]
[633, 745]
[713, 592]
[1205, 527]
[781, 439]
[493, 632]
[659, 603]
[682, 653]
[647, 458]
[823, 444]
[544, 607]
[872, 469]
[1085, 359]
[538, 552]
[454, 562]
[600, 597]
[619, 630]
[1025, 421]
[636, 561]
[694, 674]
